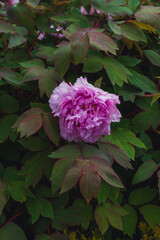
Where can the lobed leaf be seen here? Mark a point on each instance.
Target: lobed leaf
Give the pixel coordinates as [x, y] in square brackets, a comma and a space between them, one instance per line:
[149, 15]
[129, 221]
[103, 42]
[80, 45]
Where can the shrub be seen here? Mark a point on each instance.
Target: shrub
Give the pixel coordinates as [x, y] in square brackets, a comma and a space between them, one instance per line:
[49, 185]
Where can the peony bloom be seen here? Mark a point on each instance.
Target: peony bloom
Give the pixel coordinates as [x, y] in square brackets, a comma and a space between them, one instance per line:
[85, 112]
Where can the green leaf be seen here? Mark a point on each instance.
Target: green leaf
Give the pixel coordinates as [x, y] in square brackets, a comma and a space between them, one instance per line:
[114, 27]
[32, 63]
[62, 58]
[59, 171]
[116, 208]
[124, 138]
[63, 217]
[80, 45]
[51, 127]
[114, 7]
[21, 31]
[6, 27]
[11, 77]
[63, 18]
[8, 104]
[14, 184]
[34, 143]
[45, 52]
[33, 3]
[133, 32]
[16, 41]
[34, 168]
[128, 61]
[54, 236]
[2, 196]
[107, 191]
[66, 151]
[141, 196]
[153, 56]
[129, 221]
[129, 93]
[23, 16]
[102, 41]
[150, 117]
[12, 231]
[6, 123]
[133, 4]
[87, 212]
[101, 218]
[116, 71]
[149, 15]
[145, 171]
[37, 206]
[109, 213]
[142, 82]
[93, 64]
[151, 214]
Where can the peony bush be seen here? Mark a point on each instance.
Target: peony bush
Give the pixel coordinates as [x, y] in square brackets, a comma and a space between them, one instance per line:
[79, 119]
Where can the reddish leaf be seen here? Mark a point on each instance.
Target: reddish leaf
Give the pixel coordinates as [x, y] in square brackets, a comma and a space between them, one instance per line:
[80, 45]
[2, 196]
[88, 172]
[29, 122]
[149, 15]
[47, 79]
[114, 152]
[67, 154]
[106, 172]
[51, 128]
[89, 182]
[6, 27]
[73, 175]
[103, 41]
[30, 125]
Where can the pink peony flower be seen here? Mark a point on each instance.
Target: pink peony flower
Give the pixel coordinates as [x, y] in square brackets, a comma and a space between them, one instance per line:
[85, 112]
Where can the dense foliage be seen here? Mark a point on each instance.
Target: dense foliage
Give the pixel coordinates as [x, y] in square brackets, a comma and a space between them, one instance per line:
[51, 188]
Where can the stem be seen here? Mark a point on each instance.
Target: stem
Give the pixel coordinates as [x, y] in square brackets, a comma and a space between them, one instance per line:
[28, 50]
[129, 18]
[35, 41]
[151, 95]
[14, 217]
[96, 24]
[9, 2]
[55, 5]
[158, 85]
[131, 113]
[60, 10]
